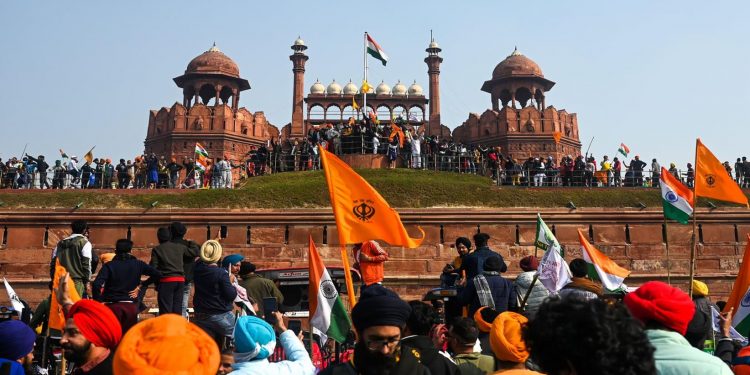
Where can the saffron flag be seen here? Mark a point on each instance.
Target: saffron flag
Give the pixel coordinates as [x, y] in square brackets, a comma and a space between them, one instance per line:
[327, 312]
[89, 156]
[13, 298]
[56, 315]
[712, 180]
[396, 131]
[557, 136]
[354, 104]
[373, 48]
[677, 199]
[601, 267]
[365, 89]
[553, 271]
[625, 150]
[201, 157]
[361, 212]
[739, 299]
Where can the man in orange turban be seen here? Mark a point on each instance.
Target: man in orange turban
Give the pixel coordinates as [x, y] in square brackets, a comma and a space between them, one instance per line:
[166, 345]
[508, 345]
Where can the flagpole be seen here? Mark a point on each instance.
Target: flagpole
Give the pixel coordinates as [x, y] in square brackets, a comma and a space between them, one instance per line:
[669, 260]
[695, 225]
[364, 94]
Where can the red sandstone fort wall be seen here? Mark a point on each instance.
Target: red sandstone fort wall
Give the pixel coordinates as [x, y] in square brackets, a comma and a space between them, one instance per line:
[633, 238]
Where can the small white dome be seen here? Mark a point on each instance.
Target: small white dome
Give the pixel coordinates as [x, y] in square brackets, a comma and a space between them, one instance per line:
[317, 88]
[334, 88]
[299, 42]
[399, 89]
[382, 89]
[415, 89]
[434, 44]
[350, 88]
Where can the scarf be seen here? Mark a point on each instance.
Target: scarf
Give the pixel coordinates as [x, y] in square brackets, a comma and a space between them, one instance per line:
[585, 284]
[483, 291]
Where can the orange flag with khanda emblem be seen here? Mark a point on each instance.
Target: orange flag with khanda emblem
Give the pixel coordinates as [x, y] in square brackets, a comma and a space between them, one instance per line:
[56, 315]
[712, 179]
[361, 212]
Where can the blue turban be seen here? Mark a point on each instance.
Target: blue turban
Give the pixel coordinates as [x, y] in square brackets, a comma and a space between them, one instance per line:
[16, 339]
[231, 259]
[253, 339]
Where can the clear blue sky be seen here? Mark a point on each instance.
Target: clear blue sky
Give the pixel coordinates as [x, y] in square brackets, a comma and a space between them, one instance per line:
[652, 74]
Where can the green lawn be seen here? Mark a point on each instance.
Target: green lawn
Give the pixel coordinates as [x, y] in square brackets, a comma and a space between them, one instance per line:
[401, 187]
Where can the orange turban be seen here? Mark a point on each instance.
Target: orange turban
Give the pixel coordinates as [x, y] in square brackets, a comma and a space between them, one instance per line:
[505, 337]
[96, 322]
[483, 317]
[106, 258]
[166, 345]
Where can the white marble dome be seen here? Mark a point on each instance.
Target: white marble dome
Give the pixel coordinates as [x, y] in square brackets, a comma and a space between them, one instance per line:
[415, 89]
[434, 44]
[317, 88]
[399, 89]
[334, 88]
[350, 88]
[299, 42]
[383, 89]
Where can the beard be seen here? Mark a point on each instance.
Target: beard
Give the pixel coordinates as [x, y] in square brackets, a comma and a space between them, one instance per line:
[374, 363]
[76, 354]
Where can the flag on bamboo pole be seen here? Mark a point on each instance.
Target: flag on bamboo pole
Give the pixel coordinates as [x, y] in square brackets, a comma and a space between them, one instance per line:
[677, 199]
[553, 271]
[739, 299]
[625, 150]
[13, 298]
[56, 316]
[201, 157]
[354, 104]
[327, 312]
[373, 48]
[361, 212]
[89, 156]
[712, 180]
[365, 89]
[600, 267]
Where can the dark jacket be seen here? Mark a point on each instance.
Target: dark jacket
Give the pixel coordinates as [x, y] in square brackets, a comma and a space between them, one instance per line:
[214, 293]
[258, 287]
[169, 257]
[503, 294]
[430, 357]
[72, 253]
[473, 263]
[118, 277]
[408, 364]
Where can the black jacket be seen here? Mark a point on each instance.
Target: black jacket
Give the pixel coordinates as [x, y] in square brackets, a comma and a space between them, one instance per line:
[473, 263]
[119, 277]
[214, 294]
[169, 257]
[430, 357]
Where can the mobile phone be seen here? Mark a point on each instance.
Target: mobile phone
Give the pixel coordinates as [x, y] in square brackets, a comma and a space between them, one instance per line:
[295, 325]
[269, 306]
[224, 231]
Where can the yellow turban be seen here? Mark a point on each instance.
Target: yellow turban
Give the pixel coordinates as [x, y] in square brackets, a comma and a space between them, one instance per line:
[166, 345]
[700, 288]
[505, 337]
[106, 258]
[211, 251]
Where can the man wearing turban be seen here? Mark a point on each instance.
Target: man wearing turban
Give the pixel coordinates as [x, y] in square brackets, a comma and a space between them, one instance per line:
[508, 345]
[214, 292]
[90, 335]
[666, 312]
[380, 318]
[16, 347]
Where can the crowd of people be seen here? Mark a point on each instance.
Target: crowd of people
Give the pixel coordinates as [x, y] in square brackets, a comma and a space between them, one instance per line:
[402, 144]
[494, 325]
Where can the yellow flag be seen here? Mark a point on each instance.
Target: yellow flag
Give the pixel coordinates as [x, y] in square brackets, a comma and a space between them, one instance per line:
[361, 213]
[712, 180]
[365, 87]
[89, 157]
[56, 316]
[354, 104]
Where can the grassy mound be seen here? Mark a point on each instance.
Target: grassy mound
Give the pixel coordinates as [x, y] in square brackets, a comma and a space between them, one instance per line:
[401, 187]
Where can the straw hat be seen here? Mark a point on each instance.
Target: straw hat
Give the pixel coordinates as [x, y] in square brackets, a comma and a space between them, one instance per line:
[211, 251]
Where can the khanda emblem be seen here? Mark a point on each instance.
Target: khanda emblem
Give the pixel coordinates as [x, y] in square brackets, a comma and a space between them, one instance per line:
[363, 211]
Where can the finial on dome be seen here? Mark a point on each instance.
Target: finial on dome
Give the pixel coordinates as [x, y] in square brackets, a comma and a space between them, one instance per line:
[515, 52]
[214, 48]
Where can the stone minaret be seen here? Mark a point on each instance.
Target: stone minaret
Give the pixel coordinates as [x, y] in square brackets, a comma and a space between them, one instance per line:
[433, 61]
[298, 60]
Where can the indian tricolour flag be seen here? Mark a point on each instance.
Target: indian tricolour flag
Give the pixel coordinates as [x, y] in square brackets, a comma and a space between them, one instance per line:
[373, 48]
[625, 150]
[739, 299]
[553, 271]
[327, 312]
[601, 267]
[201, 157]
[677, 199]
